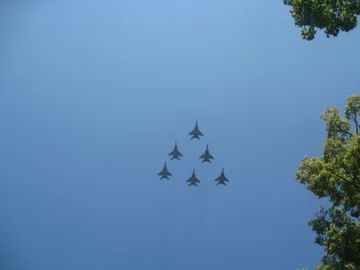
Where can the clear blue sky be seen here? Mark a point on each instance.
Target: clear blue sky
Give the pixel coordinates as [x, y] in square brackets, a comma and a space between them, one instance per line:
[93, 96]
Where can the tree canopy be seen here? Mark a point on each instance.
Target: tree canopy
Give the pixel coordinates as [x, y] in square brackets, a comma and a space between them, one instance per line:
[331, 15]
[336, 176]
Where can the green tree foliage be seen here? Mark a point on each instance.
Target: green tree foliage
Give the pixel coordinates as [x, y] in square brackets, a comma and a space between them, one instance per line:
[336, 176]
[332, 15]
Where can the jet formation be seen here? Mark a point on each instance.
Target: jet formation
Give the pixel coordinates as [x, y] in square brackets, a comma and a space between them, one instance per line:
[206, 157]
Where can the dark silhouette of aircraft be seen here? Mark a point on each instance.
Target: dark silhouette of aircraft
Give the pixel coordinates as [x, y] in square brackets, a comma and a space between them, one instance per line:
[193, 180]
[222, 179]
[175, 153]
[164, 173]
[206, 156]
[195, 133]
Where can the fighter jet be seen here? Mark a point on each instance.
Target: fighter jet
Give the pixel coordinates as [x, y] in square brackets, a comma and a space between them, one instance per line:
[206, 156]
[222, 179]
[164, 173]
[175, 153]
[195, 133]
[193, 179]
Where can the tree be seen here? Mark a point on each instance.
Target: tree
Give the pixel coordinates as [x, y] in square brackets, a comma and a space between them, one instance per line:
[332, 15]
[336, 176]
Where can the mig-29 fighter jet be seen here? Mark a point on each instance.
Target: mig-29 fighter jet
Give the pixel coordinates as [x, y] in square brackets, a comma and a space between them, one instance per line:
[193, 180]
[175, 153]
[222, 179]
[195, 133]
[206, 156]
[164, 173]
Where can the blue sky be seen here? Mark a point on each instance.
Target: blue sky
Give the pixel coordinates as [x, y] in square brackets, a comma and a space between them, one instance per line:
[93, 96]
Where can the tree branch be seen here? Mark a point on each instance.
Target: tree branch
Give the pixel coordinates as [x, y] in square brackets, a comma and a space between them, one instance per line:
[343, 178]
[346, 132]
[348, 174]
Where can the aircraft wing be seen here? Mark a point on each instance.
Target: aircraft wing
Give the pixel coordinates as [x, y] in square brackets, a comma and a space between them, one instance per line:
[202, 156]
[160, 173]
[200, 133]
[222, 179]
[210, 156]
[179, 154]
[171, 153]
[189, 180]
[192, 132]
[169, 173]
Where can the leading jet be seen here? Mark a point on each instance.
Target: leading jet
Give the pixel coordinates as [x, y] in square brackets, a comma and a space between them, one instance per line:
[206, 156]
[175, 153]
[222, 179]
[164, 173]
[193, 180]
[195, 133]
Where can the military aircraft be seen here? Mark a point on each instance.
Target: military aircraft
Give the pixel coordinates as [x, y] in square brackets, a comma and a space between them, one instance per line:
[222, 179]
[175, 153]
[164, 173]
[206, 156]
[193, 180]
[195, 133]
